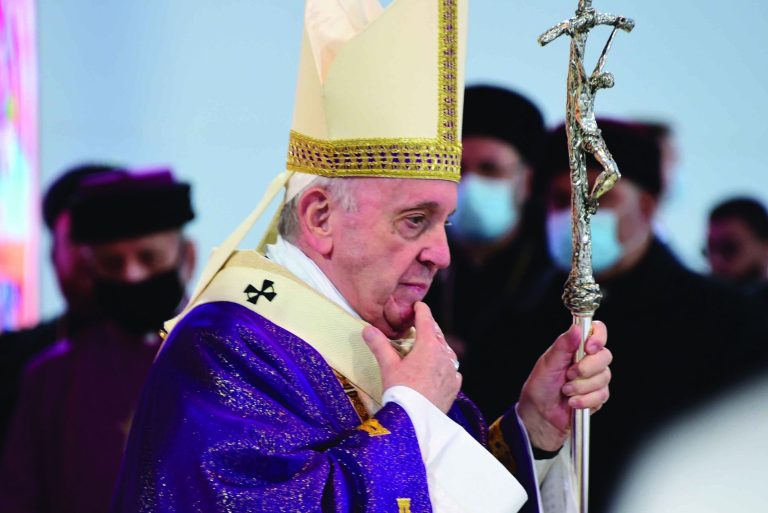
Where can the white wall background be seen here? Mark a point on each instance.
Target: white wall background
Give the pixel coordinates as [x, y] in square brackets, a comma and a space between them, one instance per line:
[207, 86]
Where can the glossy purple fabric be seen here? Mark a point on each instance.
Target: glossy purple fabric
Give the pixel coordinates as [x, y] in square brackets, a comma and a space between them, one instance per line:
[241, 415]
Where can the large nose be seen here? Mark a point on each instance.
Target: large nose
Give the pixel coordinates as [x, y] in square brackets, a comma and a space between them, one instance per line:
[437, 253]
[134, 271]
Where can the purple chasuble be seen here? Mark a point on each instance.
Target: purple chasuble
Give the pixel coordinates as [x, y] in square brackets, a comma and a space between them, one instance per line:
[240, 415]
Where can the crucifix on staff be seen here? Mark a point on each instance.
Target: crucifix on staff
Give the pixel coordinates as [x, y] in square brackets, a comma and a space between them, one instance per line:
[582, 294]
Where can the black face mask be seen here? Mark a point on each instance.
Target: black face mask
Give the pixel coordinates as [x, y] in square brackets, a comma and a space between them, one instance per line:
[141, 307]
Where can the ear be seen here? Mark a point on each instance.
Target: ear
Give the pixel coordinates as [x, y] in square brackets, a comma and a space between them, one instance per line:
[60, 234]
[526, 185]
[314, 213]
[649, 204]
[190, 260]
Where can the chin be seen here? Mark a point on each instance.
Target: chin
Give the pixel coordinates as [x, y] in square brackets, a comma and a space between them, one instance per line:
[398, 320]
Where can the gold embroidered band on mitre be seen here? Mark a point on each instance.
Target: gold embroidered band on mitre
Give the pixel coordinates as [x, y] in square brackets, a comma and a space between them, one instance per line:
[391, 158]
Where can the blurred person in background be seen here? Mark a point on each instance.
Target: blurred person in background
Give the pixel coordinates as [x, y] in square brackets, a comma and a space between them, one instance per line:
[498, 257]
[711, 335]
[737, 244]
[77, 398]
[664, 136]
[18, 347]
[672, 186]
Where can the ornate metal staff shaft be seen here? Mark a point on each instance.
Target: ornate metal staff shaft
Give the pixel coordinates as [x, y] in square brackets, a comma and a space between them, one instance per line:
[582, 294]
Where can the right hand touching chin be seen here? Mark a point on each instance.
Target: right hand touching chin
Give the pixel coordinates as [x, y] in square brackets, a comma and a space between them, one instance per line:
[429, 368]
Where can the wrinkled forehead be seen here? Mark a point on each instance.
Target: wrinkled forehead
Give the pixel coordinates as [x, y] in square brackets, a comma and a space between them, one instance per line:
[404, 193]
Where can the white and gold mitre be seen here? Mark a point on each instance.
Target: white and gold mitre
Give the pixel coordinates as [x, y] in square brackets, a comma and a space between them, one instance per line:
[379, 94]
[379, 90]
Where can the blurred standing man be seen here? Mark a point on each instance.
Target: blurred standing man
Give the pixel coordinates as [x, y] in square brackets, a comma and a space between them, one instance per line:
[710, 335]
[65, 444]
[18, 347]
[737, 244]
[297, 382]
[499, 258]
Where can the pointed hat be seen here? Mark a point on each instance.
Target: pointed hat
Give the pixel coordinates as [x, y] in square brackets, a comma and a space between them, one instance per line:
[379, 91]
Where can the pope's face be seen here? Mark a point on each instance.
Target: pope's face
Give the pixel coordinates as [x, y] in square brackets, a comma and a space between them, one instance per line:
[387, 250]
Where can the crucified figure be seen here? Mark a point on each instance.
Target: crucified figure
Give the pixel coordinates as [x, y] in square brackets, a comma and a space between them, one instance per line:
[582, 295]
[583, 132]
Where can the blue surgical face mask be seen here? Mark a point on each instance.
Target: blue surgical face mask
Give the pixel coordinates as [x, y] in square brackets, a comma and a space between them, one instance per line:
[486, 208]
[606, 248]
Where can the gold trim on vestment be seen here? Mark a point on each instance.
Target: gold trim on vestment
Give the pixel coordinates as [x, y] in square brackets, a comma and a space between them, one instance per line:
[373, 427]
[499, 448]
[354, 397]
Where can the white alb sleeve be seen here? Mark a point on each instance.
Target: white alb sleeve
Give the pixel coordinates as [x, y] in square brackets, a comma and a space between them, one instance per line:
[554, 476]
[463, 477]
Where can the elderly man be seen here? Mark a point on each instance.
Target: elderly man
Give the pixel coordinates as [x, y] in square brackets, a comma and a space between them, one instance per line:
[316, 379]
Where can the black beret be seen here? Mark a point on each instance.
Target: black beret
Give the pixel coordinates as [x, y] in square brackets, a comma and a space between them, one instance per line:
[635, 150]
[503, 114]
[130, 205]
[60, 193]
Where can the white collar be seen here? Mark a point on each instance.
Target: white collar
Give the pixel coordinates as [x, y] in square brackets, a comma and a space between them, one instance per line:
[292, 258]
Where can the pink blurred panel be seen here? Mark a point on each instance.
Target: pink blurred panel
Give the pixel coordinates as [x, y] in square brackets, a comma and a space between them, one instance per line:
[19, 186]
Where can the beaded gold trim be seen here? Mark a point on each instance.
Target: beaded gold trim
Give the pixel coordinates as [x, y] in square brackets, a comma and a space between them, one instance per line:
[438, 158]
[448, 75]
[405, 158]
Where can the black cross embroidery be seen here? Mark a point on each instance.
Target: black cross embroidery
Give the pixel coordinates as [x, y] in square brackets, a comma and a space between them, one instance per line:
[267, 290]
